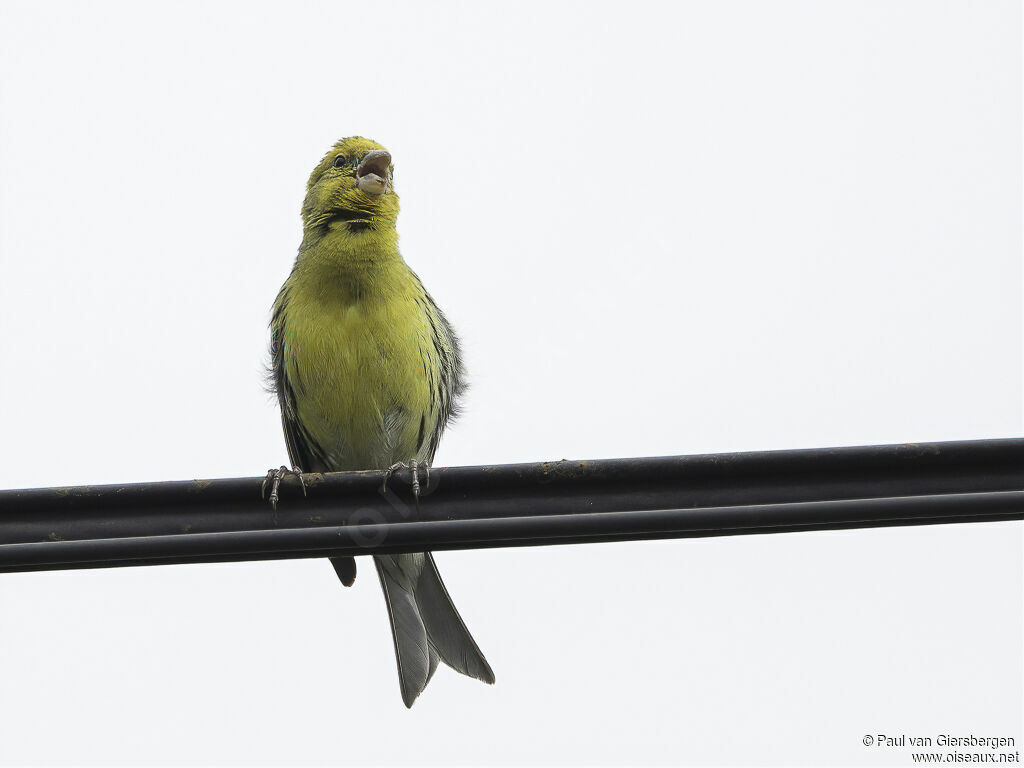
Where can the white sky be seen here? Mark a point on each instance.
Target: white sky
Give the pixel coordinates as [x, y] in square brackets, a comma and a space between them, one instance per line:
[661, 228]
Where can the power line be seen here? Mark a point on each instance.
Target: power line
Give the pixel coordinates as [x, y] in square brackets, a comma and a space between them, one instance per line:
[566, 502]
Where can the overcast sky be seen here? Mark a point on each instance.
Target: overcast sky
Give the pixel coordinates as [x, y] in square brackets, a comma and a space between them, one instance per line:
[660, 228]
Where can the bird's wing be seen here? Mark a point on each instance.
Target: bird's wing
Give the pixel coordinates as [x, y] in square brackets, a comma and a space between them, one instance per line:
[450, 383]
[432, 607]
[303, 451]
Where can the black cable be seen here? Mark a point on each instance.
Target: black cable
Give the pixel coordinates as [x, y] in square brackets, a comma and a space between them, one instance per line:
[514, 505]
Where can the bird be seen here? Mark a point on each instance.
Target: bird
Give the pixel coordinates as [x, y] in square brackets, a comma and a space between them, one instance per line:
[368, 373]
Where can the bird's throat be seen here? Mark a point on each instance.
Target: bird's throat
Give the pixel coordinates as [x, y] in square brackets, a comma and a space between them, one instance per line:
[344, 250]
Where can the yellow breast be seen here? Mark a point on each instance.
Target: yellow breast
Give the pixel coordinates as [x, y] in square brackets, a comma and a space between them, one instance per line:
[361, 361]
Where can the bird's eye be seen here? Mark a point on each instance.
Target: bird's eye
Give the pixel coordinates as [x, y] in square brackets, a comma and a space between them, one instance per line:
[340, 161]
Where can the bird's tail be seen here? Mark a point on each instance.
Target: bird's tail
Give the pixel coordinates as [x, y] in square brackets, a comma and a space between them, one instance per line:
[425, 625]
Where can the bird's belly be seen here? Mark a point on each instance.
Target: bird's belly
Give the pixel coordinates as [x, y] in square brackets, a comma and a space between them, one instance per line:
[361, 384]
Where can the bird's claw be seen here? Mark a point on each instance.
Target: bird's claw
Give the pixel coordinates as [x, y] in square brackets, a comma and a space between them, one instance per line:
[413, 466]
[274, 478]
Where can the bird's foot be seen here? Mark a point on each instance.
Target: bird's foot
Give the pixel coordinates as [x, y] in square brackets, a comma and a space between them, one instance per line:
[413, 466]
[274, 478]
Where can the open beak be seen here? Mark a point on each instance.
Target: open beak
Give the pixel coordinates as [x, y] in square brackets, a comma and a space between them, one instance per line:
[373, 172]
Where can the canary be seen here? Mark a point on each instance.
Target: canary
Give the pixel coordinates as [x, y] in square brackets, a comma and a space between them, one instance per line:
[368, 373]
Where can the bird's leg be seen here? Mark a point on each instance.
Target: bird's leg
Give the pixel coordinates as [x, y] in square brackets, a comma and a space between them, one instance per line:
[274, 478]
[413, 466]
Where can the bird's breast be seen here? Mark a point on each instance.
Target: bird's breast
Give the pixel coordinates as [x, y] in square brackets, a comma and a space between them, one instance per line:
[360, 369]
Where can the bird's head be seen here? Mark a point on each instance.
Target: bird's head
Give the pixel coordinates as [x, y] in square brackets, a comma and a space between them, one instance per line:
[351, 190]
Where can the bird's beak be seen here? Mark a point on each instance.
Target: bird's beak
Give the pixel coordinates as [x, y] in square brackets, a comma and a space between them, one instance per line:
[373, 172]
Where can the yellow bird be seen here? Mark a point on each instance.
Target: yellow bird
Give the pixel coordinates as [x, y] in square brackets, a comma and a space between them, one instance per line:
[367, 372]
